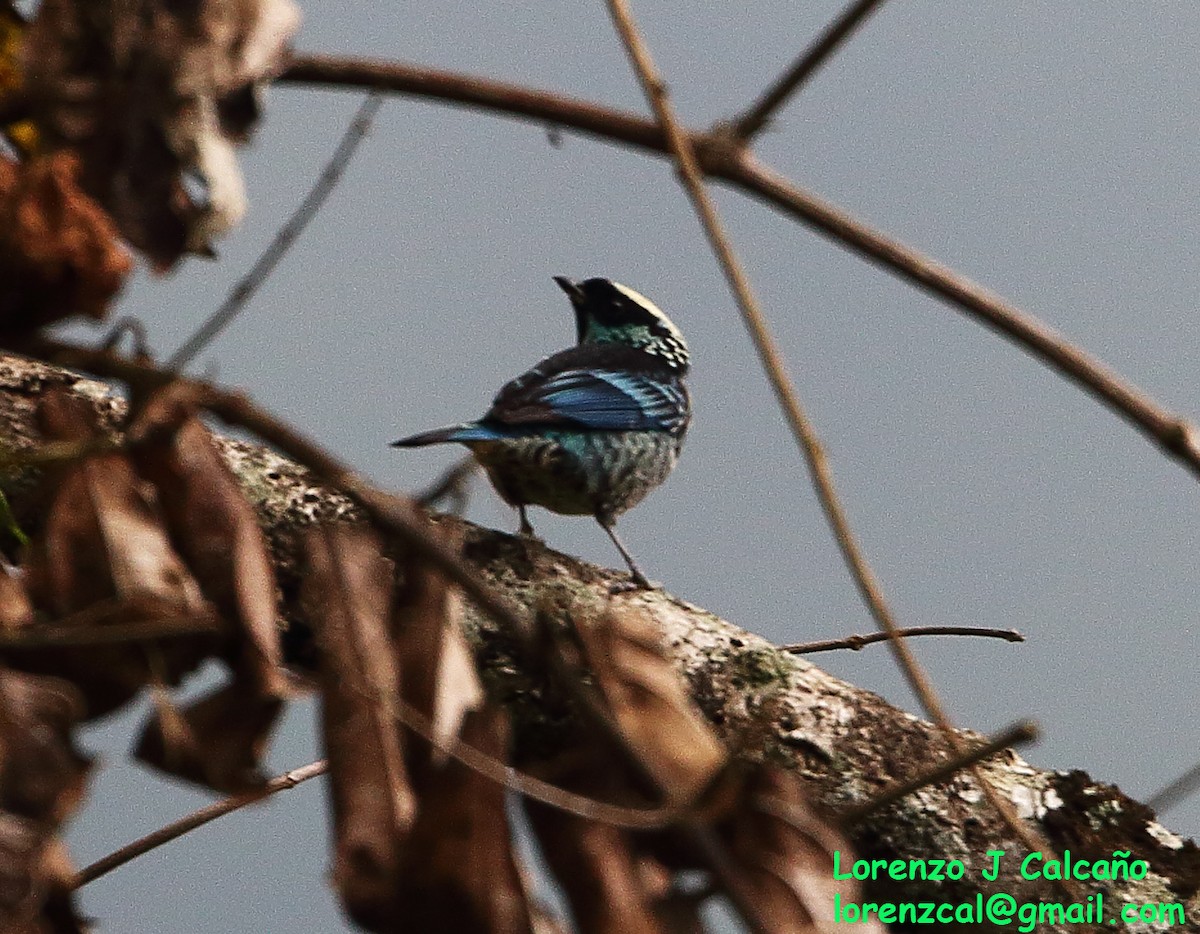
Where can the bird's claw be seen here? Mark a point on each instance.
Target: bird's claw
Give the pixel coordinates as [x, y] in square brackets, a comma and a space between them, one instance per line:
[632, 585]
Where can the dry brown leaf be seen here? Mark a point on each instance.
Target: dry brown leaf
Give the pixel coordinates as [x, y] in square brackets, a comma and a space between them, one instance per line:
[649, 700]
[781, 853]
[103, 556]
[216, 531]
[459, 872]
[611, 887]
[102, 538]
[437, 671]
[42, 779]
[58, 914]
[60, 254]
[438, 855]
[220, 740]
[16, 609]
[347, 597]
[217, 741]
[150, 92]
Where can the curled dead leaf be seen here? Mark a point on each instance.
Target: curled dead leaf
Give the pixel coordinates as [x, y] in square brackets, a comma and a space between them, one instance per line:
[781, 855]
[102, 537]
[60, 254]
[217, 741]
[42, 778]
[422, 841]
[347, 598]
[103, 557]
[459, 871]
[152, 95]
[611, 883]
[437, 671]
[649, 700]
[216, 531]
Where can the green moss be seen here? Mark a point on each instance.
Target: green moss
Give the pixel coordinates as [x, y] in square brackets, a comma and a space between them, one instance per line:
[8, 522]
[759, 667]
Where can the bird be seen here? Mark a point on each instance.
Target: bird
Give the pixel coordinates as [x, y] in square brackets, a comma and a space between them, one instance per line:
[591, 429]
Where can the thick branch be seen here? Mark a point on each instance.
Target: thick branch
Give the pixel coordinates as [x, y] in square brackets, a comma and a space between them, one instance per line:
[721, 157]
[847, 743]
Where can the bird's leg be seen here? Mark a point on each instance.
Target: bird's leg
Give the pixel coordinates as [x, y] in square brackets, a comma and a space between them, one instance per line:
[526, 530]
[639, 579]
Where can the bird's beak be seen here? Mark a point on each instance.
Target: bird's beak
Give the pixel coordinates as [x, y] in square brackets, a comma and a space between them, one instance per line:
[578, 305]
[574, 292]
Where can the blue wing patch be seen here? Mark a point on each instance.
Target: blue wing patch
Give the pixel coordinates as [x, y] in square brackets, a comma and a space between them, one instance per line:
[603, 400]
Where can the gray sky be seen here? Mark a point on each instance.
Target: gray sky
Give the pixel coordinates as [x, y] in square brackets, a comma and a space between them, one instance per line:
[1045, 149]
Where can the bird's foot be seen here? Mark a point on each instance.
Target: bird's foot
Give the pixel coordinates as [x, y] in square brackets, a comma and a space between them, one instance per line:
[525, 529]
[527, 534]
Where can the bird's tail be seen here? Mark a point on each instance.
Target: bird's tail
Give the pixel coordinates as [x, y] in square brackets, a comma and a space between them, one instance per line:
[470, 431]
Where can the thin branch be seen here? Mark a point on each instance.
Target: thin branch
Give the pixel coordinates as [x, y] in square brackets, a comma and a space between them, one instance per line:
[772, 359]
[287, 235]
[81, 629]
[1183, 787]
[759, 115]
[642, 819]
[1171, 432]
[135, 330]
[1024, 731]
[725, 161]
[864, 577]
[451, 487]
[858, 642]
[196, 819]
[57, 452]
[483, 93]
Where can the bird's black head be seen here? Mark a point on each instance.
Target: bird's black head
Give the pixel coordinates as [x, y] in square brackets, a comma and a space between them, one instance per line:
[607, 312]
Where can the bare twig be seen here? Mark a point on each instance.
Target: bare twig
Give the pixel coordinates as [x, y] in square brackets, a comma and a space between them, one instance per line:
[284, 237]
[451, 486]
[483, 93]
[731, 163]
[491, 768]
[135, 330]
[1024, 731]
[1171, 432]
[1182, 787]
[772, 360]
[196, 819]
[771, 357]
[864, 577]
[56, 452]
[759, 115]
[80, 629]
[857, 642]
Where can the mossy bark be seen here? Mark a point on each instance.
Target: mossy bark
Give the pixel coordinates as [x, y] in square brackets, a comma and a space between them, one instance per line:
[847, 743]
